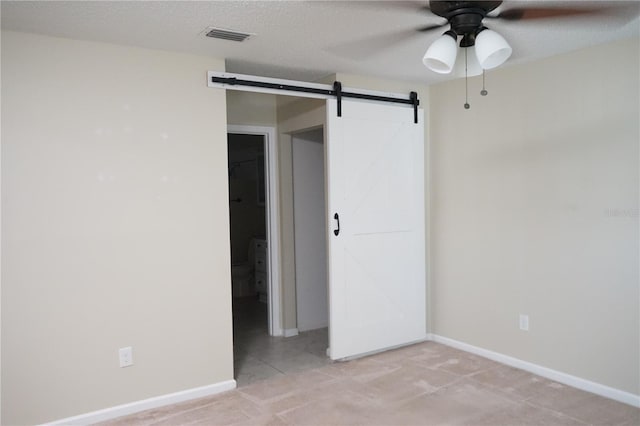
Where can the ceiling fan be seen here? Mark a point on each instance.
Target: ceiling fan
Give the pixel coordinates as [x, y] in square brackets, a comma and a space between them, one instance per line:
[470, 31]
[481, 48]
[466, 20]
[468, 15]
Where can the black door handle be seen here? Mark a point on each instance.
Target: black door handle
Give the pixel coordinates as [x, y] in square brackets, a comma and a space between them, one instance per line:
[337, 231]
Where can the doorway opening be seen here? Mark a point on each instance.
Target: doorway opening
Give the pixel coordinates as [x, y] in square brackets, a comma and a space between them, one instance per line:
[374, 212]
[254, 230]
[248, 232]
[298, 341]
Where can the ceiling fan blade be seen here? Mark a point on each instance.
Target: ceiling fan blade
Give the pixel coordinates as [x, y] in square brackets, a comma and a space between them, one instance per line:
[530, 13]
[432, 27]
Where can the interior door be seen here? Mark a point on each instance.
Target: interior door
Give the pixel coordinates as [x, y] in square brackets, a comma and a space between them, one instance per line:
[375, 180]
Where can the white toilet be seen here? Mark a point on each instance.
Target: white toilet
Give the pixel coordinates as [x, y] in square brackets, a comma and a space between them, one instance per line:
[241, 280]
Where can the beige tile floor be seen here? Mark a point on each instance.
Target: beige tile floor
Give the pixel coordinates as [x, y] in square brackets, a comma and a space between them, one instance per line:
[258, 356]
[423, 384]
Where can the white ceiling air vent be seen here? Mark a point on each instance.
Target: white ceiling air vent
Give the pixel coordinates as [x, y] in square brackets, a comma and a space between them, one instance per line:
[226, 34]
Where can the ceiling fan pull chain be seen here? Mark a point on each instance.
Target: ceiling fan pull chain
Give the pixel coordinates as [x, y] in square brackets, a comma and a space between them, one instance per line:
[483, 92]
[466, 83]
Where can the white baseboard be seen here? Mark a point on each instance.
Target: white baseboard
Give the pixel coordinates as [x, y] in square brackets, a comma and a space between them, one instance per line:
[290, 332]
[146, 404]
[316, 326]
[558, 376]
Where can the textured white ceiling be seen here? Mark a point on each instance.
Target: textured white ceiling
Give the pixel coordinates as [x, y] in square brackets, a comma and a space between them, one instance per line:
[308, 40]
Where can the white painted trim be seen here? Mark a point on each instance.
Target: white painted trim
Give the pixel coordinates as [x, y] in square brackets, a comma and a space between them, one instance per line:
[273, 218]
[290, 332]
[558, 376]
[146, 404]
[292, 83]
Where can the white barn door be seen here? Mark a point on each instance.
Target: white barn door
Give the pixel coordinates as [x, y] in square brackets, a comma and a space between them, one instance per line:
[375, 179]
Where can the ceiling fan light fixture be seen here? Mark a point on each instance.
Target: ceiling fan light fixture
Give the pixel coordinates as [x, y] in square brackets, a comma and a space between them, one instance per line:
[491, 49]
[441, 55]
[471, 63]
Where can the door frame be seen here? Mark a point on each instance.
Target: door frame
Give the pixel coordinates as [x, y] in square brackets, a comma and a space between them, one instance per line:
[272, 218]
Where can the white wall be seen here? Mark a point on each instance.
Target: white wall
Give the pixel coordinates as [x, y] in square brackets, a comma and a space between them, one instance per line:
[113, 168]
[535, 211]
[310, 230]
[251, 109]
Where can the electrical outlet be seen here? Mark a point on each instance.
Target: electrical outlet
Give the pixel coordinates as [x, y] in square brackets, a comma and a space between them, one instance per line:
[126, 356]
[524, 322]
